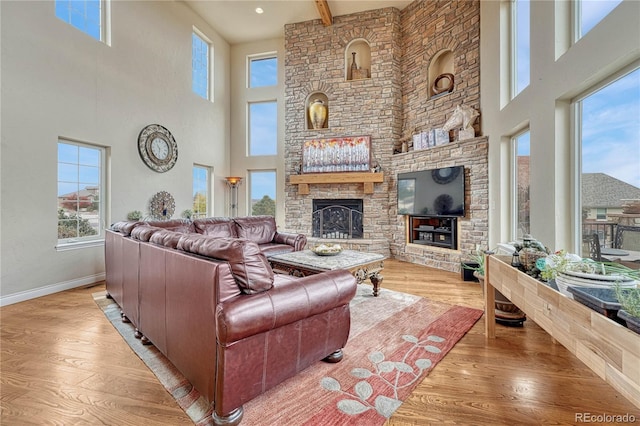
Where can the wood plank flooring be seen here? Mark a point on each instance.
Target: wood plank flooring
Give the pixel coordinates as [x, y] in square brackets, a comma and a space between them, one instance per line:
[61, 363]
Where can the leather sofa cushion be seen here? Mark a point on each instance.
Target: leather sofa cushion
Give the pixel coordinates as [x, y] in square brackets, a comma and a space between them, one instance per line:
[125, 227]
[249, 265]
[178, 225]
[144, 232]
[166, 238]
[259, 229]
[219, 227]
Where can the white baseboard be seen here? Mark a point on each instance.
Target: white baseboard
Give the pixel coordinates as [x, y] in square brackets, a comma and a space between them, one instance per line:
[50, 289]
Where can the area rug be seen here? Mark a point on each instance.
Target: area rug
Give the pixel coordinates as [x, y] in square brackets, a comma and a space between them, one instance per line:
[396, 339]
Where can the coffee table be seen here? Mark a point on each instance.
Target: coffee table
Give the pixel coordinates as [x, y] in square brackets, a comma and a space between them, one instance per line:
[362, 265]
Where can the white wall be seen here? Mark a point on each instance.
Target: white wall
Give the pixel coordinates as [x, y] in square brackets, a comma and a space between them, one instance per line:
[559, 71]
[57, 81]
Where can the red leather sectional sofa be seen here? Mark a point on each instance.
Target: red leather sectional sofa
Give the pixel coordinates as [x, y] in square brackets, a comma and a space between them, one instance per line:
[213, 306]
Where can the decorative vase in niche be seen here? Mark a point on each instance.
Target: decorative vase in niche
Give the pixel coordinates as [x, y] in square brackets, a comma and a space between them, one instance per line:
[318, 113]
[354, 66]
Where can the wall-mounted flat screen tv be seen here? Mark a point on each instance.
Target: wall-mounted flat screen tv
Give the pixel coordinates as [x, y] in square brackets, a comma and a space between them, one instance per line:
[435, 192]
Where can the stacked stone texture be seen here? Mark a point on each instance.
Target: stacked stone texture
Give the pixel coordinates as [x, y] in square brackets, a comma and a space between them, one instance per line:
[389, 107]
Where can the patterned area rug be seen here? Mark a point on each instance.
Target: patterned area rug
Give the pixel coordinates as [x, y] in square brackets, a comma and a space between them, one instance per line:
[396, 339]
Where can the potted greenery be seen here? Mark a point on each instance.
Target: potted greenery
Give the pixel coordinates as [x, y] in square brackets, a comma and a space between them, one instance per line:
[134, 215]
[630, 306]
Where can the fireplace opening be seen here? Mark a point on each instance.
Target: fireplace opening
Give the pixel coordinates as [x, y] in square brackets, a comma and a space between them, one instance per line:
[337, 218]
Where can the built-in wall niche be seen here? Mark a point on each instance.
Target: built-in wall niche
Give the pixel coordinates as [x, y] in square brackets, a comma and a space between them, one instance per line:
[317, 111]
[357, 60]
[441, 74]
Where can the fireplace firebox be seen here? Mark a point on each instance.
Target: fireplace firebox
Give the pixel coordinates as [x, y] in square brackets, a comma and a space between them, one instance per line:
[337, 218]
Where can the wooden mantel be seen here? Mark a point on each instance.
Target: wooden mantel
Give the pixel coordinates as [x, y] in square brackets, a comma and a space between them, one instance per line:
[366, 178]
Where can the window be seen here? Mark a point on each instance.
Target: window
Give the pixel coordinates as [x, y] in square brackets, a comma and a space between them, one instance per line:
[520, 45]
[86, 15]
[81, 195]
[201, 179]
[262, 191]
[263, 72]
[590, 12]
[522, 148]
[263, 128]
[608, 133]
[200, 64]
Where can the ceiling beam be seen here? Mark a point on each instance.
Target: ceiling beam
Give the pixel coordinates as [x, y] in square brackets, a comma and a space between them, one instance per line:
[325, 12]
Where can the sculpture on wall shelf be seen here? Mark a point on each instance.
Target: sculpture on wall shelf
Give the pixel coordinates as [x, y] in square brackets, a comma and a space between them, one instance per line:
[463, 118]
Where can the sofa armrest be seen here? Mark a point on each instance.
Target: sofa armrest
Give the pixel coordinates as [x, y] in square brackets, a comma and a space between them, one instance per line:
[287, 302]
[297, 241]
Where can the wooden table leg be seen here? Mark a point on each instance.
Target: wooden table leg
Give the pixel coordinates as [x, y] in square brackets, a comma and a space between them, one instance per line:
[489, 303]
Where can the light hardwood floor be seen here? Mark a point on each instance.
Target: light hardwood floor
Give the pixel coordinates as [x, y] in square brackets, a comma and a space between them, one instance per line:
[63, 363]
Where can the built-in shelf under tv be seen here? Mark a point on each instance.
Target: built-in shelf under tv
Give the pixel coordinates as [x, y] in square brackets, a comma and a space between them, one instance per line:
[434, 192]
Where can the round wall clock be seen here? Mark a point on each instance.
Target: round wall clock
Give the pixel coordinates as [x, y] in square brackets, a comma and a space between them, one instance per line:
[157, 147]
[162, 206]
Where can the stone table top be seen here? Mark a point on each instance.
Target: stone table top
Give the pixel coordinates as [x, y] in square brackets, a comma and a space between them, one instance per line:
[347, 259]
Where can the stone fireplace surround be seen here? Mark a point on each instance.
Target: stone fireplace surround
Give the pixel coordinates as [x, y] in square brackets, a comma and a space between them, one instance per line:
[391, 106]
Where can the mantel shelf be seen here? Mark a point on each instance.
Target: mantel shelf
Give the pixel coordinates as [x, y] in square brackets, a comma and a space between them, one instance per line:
[366, 178]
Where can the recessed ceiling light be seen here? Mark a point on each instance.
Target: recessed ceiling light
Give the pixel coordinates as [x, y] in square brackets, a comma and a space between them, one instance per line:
[259, 10]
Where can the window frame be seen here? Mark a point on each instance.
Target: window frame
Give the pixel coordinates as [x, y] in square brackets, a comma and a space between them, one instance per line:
[90, 240]
[513, 51]
[250, 179]
[208, 202]
[261, 57]
[577, 19]
[515, 211]
[209, 61]
[104, 20]
[250, 126]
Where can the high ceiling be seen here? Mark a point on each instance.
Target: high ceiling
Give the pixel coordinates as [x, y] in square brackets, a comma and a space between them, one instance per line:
[237, 21]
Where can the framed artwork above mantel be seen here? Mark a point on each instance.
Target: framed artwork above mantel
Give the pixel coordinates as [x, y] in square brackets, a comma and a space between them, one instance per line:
[331, 155]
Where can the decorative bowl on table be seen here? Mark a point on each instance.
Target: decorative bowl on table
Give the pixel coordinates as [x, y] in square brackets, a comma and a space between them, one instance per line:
[327, 249]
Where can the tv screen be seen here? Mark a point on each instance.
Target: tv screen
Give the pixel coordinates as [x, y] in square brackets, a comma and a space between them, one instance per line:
[436, 192]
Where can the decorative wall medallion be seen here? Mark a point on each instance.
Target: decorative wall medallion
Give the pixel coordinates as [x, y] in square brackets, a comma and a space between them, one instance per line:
[157, 147]
[162, 206]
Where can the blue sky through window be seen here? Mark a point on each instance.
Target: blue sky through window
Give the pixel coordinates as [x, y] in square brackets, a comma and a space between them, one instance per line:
[593, 11]
[263, 124]
[611, 130]
[78, 168]
[263, 183]
[263, 72]
[85, 15]
[522, 39]
[200, 66]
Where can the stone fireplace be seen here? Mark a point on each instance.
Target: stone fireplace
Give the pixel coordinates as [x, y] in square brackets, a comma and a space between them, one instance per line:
[337, 218]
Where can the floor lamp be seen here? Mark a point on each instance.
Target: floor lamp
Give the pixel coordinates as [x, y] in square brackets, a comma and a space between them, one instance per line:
[234, 182]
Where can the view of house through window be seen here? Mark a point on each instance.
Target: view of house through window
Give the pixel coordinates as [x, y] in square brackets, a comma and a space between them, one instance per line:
[200, 64]
[522, 148]
[610, 161]
[263, 72]
[263, 126]
[201, 178]
[520, 41]
[262, 192]
[80, 191]
[85, 15]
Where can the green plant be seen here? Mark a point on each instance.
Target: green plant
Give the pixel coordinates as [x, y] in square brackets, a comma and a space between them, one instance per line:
[187, 214]
[134, 215]
[629, 299]
[476, 262]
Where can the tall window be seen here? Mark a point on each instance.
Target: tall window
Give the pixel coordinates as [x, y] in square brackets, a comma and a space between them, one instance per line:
[86, 15]
[262, 192]
[263, 128]
[522, 149]
[81, 196]
[609, 145]
[263, 72]
[201, 179]
[200, 64]
[520, 42]
[590, 12]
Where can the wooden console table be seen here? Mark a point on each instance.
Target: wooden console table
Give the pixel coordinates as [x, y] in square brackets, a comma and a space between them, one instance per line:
[606, 347]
